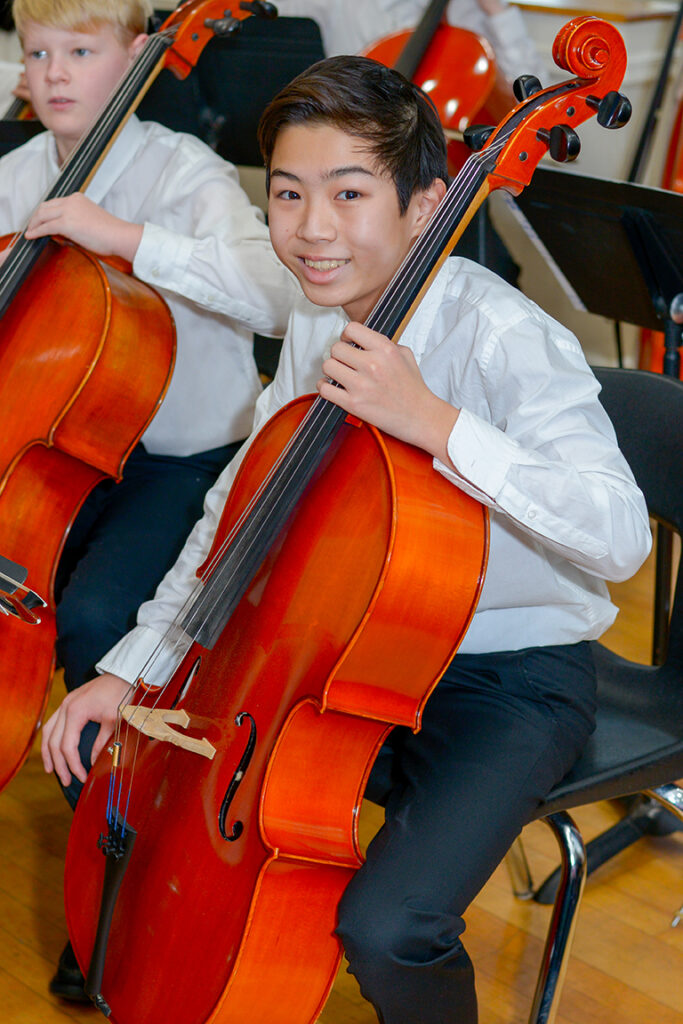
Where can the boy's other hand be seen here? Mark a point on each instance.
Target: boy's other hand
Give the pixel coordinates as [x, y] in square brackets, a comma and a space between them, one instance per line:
[80, 220]
[96, 701]
[20, 90]
[381, 383]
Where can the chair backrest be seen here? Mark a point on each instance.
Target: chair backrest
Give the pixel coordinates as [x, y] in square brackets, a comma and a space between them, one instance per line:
[222, 100]
[646, 410]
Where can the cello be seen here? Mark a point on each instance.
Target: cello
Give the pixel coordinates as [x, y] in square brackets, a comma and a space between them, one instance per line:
[69, 338]
[319, 621]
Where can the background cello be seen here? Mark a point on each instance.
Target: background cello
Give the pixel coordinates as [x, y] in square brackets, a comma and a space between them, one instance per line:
[455, 67]
[95, 393]
[175, 852]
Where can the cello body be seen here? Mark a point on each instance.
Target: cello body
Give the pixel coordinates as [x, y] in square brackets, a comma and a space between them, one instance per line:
[313, 655]
[76, 397]
[457, 70]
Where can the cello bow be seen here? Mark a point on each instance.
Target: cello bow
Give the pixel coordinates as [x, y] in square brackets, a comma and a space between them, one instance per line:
[227, 808]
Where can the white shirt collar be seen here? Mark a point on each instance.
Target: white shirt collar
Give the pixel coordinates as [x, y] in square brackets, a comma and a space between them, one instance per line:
[115, 162]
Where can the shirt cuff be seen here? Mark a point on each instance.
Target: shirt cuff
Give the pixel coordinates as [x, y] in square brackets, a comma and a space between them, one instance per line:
[482, 454]
[143, 653]
[162, 257]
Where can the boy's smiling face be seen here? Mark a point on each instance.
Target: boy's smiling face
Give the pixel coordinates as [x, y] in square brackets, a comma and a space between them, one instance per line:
[334, 217]
[70, 74]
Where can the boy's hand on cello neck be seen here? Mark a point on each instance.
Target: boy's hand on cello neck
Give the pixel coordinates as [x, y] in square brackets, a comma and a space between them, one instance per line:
[381, 383]
[81, 221]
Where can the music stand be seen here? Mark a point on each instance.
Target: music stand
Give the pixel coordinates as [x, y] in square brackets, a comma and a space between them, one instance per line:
[618, 249]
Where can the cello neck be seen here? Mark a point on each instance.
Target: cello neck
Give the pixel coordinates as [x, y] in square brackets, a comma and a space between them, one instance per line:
[411, 56]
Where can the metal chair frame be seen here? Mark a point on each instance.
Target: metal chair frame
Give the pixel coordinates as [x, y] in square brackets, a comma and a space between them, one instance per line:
[647, 412]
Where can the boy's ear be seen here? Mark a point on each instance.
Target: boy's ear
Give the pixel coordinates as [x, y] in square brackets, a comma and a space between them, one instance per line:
[137, 44]
[427, 202]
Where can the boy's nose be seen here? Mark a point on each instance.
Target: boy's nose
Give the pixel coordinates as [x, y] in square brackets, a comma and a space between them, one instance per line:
[56, 70]
[317, 224]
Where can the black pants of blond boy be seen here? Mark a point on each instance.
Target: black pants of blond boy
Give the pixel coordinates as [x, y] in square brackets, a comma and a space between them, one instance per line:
[124, 539]
[498, 732]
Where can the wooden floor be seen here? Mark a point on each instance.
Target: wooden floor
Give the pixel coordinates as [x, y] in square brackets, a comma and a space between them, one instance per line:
[627, 963]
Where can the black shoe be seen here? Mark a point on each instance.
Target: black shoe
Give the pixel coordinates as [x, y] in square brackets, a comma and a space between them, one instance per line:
[68, 982]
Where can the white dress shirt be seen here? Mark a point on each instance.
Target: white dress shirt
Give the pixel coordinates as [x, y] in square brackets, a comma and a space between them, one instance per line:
[532, 442]
[346, 30]
[203, 245]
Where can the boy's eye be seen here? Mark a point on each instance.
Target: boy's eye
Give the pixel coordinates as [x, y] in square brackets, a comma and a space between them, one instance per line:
[81, 51]
[348, 193]
[37, 54]
[288, 193]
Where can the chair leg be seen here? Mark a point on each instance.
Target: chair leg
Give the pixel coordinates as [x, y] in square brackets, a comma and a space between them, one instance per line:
[670, 795]
[563, 920]
[518, 870]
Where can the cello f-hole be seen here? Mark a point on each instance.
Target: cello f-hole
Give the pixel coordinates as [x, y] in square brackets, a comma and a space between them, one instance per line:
[238, 826]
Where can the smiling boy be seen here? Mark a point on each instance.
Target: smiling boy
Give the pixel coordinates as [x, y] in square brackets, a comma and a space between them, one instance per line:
[502, 399]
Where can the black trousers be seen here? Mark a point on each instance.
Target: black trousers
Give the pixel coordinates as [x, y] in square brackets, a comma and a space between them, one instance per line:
[498, 732]
[125, 538]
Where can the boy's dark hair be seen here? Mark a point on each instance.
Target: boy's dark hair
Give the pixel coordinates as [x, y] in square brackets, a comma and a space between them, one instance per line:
[372, 102]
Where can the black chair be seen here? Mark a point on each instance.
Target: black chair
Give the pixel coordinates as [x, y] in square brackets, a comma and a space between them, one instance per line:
[637, 747]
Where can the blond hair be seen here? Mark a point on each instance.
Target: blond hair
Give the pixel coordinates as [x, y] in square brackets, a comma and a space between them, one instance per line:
[127, 17]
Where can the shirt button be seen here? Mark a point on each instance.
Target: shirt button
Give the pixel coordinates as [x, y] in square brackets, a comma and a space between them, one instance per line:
[531, 514]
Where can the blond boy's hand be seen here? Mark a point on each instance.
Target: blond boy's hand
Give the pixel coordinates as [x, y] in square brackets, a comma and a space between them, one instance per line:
[381, 383]
[80, 220]
[96, 701]
[20, 90]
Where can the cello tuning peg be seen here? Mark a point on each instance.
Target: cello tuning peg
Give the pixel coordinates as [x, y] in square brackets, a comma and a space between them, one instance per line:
[525, 86]
[614, 109]
[563, 143]
[261, 8]
[226, 26]
[476, 136]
